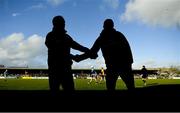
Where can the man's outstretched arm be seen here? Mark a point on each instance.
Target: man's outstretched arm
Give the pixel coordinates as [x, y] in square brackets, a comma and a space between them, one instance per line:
[79, 47]
[81, 57]
[90, 54]
[93, 54]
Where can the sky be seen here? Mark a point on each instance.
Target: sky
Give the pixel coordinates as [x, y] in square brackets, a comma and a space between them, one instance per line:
[152, 28]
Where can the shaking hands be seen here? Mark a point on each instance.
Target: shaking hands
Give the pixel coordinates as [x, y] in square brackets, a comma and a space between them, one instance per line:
[84, 56]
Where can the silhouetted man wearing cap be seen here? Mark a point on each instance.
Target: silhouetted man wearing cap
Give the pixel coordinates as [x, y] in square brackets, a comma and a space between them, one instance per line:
[117, 55]
[59, 44]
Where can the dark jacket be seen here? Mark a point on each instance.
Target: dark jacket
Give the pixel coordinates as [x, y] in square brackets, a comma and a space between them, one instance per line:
[59, 44]
[115, 49]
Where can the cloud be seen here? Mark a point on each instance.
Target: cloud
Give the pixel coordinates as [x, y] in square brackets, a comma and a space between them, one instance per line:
[86, 64]
[165, 13]
[114, 4]
[37, 6]
[16, 50]
[16, 14]
[149, 63]
[56, 2]
[154, 63]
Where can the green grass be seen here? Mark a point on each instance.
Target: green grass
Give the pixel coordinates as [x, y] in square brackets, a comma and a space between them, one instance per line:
[23, 84]
[80, 84]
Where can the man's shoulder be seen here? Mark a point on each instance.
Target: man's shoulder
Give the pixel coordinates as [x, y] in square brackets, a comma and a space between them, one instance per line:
[49, 34]
[68, 36]
[119, 33]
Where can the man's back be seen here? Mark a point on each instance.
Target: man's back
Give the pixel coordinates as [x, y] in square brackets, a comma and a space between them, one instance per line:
[144, 72]
[59, 47]
[115, 48]
[117, 55]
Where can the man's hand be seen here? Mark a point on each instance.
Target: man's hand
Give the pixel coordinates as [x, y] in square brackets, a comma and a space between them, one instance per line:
[84, 56]
[93, 56]
[77, 58]
[86, 50]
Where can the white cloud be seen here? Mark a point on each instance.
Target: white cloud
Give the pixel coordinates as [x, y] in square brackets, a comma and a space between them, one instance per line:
[86, 64]
[37, 6]
[151, 63]
[15, 14]
[56, 2]
[114, 4]
[16, 50]
[153, 12]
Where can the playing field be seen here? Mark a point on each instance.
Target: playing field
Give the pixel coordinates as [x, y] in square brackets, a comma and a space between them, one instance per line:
[80, 84]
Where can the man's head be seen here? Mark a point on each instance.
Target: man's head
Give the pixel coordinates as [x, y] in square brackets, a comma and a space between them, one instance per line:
[58, 21]
[108, 24]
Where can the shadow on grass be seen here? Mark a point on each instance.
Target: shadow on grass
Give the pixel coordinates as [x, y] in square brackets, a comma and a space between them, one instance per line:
[153, 84]
[150, 98]
[154, 89]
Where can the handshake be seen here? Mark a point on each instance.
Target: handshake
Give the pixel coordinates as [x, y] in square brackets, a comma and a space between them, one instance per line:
[84, 56]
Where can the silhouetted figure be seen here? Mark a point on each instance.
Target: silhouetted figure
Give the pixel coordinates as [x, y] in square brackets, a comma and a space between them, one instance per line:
[102, 74]
[144, 75]
[93, 75]
[5, 75]
[59, 44]
[117, 55]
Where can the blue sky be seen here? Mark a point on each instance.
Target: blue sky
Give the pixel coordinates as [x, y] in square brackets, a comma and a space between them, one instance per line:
[152, 28]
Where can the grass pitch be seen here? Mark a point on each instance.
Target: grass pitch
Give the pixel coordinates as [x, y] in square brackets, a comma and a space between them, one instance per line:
[158, 94]
[80, 84]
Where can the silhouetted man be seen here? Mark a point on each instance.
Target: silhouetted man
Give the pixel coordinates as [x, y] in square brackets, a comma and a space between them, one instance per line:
[59, 44]
[117, 55]
[144, 74]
